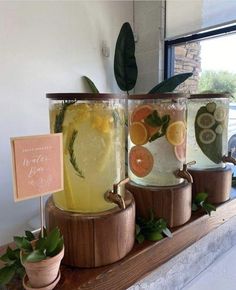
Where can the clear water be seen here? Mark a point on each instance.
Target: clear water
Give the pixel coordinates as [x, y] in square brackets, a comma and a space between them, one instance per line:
[194, 152]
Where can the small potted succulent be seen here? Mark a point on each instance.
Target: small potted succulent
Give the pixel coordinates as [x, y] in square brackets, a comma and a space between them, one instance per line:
[40, 258]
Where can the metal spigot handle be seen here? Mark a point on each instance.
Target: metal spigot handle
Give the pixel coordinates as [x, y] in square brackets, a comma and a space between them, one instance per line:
[114, 197]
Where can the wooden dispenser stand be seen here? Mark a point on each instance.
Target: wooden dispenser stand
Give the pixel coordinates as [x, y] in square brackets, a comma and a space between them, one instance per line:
[173, 203]
[93, 240]
[215, 182]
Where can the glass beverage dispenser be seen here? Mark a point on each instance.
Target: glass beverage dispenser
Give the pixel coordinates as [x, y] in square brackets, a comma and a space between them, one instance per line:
[93, 137]
[157, 139]
[208, 145]
[207, 130]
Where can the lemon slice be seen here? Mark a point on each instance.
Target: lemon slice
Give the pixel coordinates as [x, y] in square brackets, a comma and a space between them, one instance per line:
[176, 132]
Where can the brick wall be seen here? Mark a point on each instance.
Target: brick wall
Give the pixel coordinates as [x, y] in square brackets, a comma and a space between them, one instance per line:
[188, 59]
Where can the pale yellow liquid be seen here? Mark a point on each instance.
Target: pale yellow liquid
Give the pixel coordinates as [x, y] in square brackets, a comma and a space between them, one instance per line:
[98, 151]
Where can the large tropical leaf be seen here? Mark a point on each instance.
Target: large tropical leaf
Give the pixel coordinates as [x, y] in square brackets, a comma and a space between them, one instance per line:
[125, 67]
[170, 84]
[91, 85]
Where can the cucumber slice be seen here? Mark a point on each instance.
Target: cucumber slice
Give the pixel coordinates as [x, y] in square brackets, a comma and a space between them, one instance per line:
[211, 107]
[207, 136]
[220, 114]
[205, 120]
[219, 129]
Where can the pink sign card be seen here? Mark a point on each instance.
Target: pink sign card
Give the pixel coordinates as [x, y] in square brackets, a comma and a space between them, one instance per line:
[37, 165]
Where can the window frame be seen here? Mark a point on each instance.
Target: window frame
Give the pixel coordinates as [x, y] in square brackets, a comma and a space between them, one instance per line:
[169, 45]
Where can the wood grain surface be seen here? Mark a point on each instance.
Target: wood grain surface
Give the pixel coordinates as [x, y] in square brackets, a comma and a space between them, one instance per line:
[173, 203]
[217, 183]
[143, 258]
[93, 240]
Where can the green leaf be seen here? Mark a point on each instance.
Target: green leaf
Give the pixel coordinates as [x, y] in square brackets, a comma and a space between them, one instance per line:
[30, 236]
[140, 238]
[58, 248]
[35, 256]
[22, 243]
[52, 241]
[194, 207]
[40, 244]
[20, 271]
[153, 119]
[170, 84]
[154, 236]
[125, 67]
[137, 229]
[91, 85]
[213, 150]
[6, 274]
[200, 197]
[208, 207]
[167, 232]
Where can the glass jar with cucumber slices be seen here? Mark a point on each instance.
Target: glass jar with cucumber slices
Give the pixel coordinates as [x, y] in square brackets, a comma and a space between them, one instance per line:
[207, 129]
[93, 127]
[157, 138]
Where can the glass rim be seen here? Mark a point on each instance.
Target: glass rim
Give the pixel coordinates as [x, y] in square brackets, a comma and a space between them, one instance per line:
[210, 96]
[160, 96]
[84, 96]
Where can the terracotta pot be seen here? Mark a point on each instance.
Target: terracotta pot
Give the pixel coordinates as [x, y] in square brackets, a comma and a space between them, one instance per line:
[45, 272]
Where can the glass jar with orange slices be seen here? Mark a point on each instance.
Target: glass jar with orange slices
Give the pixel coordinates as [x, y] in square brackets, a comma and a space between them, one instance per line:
[93, 127]
[207, 129]
[157, 138]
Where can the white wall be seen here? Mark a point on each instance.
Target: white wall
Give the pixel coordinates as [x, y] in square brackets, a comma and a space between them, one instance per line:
[46, 47]
[149, 27]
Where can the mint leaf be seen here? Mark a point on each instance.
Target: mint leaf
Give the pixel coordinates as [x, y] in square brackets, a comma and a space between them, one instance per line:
[167, 232]
[209, 207]
[52, 240]
[140, 238]
[154, 236]
[30, 236]
[202, 196]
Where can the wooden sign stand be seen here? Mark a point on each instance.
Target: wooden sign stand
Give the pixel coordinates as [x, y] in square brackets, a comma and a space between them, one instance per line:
[173, 203]
[96, 239]
[215, 182]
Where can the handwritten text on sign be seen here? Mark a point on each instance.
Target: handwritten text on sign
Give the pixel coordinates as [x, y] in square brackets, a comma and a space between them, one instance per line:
[37, 165]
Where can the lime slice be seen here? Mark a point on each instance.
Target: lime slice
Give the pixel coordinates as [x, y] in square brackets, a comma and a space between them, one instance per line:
[211, 107]
[207, 136]
[220, 114]
[205, 120]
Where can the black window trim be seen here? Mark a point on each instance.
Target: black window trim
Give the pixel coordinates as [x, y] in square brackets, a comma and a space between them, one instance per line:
[169, 45]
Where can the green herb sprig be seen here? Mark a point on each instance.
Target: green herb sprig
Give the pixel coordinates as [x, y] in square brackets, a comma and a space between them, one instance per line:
[61, 115]
[151, 229]
[72, 154]
[154, 120]
[200, 201]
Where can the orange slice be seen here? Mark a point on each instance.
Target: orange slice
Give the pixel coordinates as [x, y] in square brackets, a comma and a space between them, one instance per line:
[180, 151]
[140, 161]
[138, 133]
[140, 113]
[175, 133]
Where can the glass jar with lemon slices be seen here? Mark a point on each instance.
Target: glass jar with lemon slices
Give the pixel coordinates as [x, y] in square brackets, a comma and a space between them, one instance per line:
[207, 130]
[93, 127]
[157, 138]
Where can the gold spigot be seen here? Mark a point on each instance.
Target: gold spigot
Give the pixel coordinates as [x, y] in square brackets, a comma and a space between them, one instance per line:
[229, 158]
[184, 172]
[114, 196]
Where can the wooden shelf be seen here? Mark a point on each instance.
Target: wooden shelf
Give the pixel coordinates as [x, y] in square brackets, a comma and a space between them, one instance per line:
[145, 257]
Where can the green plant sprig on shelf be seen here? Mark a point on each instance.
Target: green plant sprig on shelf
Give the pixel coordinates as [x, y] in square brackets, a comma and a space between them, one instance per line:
[151, 229]
[200, 201]
[30, 249]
